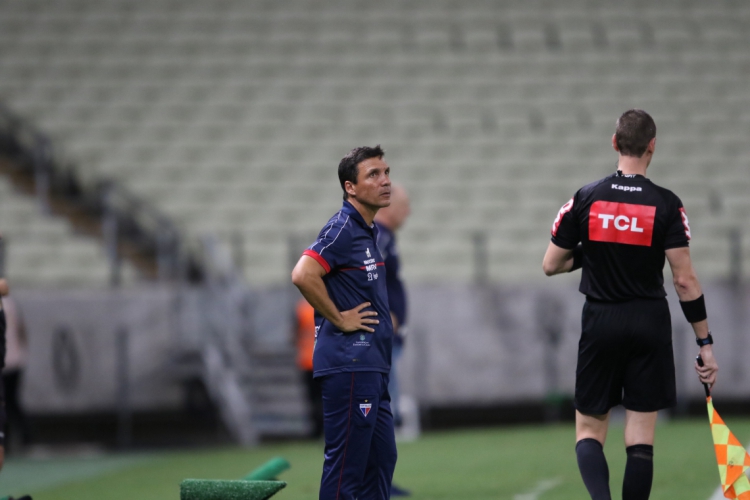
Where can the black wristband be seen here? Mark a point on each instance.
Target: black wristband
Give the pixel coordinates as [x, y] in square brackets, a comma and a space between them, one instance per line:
[707, 341]
[694, 310]
[577, 258]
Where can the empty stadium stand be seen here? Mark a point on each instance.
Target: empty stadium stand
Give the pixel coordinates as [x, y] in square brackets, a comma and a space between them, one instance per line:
[231, 115]
[46, 251]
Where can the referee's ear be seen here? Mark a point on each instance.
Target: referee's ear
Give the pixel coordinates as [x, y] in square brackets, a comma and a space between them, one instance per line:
[614, 143]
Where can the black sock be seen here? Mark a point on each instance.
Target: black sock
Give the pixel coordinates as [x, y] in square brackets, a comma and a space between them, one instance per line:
[639, 472]
[593, 467]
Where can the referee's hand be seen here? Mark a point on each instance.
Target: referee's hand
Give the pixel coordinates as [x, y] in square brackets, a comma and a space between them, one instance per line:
[356, 319]
[707, 373]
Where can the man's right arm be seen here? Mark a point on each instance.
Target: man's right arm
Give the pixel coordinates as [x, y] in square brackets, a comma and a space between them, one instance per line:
[688, 289]
[307, 276]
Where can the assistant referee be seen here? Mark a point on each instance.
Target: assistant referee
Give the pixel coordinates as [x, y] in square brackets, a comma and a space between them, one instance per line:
[619, 230]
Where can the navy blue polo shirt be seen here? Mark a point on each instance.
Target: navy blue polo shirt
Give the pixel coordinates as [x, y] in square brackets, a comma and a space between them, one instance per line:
[396, 290]
[346, 248]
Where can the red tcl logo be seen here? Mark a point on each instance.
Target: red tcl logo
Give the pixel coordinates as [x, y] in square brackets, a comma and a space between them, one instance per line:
[621, 223]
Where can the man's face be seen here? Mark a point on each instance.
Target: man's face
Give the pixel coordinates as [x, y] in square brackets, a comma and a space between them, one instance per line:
[373, 187]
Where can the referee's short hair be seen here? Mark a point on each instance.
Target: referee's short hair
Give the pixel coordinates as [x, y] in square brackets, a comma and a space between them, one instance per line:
[348, 166]
[635, 129]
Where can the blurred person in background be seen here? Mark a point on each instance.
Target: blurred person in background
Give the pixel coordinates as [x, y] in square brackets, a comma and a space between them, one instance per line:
[15, 363]
[389, 220]
[3, 416]
[4, 302]
[341, 275]
[305, 340]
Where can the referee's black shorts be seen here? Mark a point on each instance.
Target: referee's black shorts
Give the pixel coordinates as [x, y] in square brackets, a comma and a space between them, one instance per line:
[625, 356]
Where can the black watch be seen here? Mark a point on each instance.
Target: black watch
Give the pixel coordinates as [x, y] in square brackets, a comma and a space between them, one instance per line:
[707, 341]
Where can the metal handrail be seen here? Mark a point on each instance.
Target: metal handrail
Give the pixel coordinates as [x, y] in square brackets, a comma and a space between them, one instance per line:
[130, 216]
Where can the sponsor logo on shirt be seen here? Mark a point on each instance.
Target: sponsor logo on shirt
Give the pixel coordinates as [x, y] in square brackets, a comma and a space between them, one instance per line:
[624, 223]
[629, 189]
[367, 252]
[370, 265]
[362, 342]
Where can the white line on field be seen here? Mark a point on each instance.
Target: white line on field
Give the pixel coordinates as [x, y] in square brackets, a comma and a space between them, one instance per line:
[541, 487]
[718, 494]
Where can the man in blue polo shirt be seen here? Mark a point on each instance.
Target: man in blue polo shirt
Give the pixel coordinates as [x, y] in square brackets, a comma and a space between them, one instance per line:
[341, 275]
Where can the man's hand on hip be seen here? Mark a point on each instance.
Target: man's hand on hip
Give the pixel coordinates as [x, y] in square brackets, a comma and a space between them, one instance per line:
[356, 319]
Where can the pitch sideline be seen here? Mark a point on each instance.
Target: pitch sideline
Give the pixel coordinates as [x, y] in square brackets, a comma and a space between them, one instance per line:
[541, 487]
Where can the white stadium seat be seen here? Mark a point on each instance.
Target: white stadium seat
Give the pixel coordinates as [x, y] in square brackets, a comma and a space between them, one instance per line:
[232, 117]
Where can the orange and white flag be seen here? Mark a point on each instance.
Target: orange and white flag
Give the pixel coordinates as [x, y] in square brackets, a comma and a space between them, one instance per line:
[731, 456]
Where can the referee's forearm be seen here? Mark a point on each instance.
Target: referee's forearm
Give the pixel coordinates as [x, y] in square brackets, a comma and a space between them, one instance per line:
[557, 260]
[687, 286]
[559, 267]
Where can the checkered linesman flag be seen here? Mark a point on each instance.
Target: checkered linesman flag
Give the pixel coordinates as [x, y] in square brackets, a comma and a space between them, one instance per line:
[731, 456]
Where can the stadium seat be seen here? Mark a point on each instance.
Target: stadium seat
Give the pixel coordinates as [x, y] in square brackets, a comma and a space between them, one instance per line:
[232, 118]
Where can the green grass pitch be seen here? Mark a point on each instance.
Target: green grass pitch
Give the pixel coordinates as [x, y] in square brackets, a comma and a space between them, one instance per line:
[499, 463]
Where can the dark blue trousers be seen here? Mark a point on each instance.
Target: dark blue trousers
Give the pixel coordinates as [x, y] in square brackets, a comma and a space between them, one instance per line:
[360, 452]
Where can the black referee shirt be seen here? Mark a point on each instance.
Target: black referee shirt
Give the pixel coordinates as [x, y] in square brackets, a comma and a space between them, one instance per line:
[625, 223]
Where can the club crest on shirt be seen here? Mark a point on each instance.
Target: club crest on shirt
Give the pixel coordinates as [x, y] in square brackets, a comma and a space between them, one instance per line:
[365, 408]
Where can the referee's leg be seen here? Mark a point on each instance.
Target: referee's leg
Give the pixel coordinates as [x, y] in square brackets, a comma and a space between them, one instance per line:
[640, 428]
[591, 433]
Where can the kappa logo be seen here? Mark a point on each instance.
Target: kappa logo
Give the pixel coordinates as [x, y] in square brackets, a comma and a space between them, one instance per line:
[624, 223]
[365, 408]
[629, 189]
[367, 252]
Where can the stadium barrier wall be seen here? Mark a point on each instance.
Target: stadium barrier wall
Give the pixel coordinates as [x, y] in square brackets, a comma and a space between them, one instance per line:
[468, 345]
[73, 357]
[475, 345]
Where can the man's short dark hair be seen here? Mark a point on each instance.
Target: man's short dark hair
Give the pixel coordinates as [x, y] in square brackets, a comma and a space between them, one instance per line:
[348, 166]
[635, 129]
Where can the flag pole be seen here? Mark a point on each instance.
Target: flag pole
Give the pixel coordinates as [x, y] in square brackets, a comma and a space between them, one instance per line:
[705, 386]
